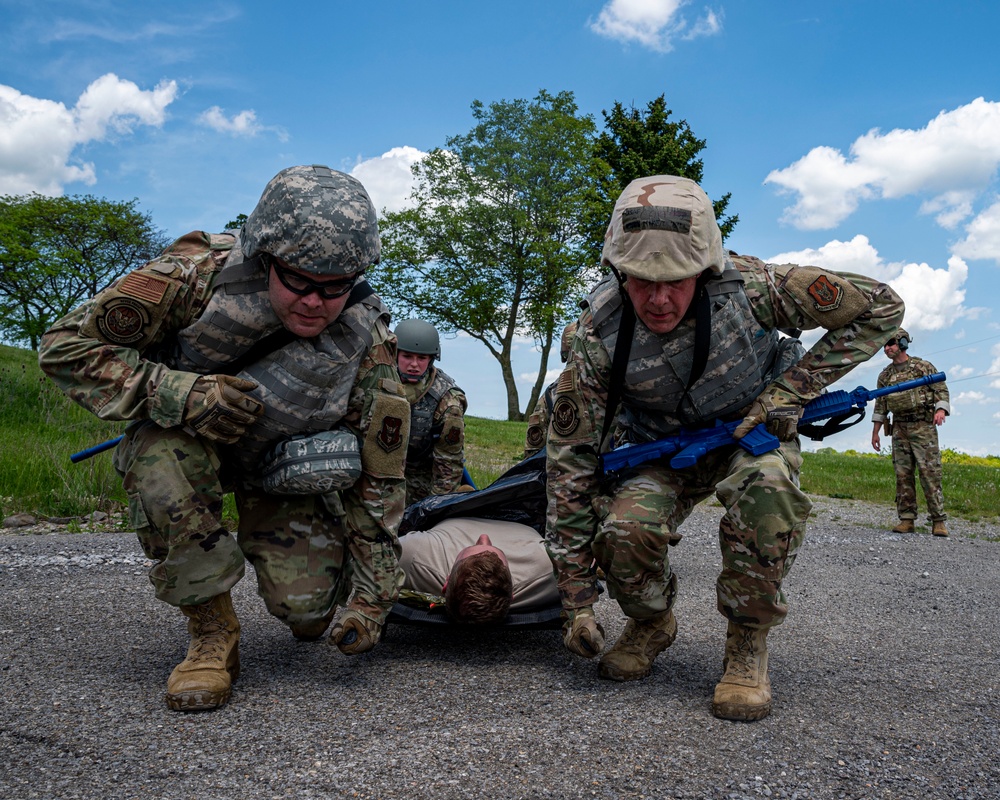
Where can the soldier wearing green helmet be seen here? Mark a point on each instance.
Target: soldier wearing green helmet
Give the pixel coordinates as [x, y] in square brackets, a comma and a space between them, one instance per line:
[682, 334]
[256, 362]
[435, 457]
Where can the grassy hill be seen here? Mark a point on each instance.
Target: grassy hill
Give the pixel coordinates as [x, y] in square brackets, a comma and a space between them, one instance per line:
[40, 429]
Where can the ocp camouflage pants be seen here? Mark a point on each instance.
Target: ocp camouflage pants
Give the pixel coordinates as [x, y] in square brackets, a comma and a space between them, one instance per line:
[175, 485]
[761, 531]
[915, 448]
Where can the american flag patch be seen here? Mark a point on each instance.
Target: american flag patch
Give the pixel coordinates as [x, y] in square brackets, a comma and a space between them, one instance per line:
[144, 286]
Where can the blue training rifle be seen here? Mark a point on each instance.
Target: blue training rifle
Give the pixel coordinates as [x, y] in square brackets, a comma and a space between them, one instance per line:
[97, 448]
[687, 446]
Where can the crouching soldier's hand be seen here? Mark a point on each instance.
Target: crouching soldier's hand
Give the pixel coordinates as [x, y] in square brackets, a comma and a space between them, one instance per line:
[354, 634]
[219, 408]
[778, 409]
[582, 633]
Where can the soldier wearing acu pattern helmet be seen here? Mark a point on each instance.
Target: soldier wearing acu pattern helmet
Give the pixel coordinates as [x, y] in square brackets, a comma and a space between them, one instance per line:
[435, 459]
[684, 335]
[261, 365]
[912, 418]
[314, 220]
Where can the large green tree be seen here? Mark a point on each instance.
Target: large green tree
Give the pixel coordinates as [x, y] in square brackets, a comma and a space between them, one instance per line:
[494, 242]
[57, 251]
[636, 143]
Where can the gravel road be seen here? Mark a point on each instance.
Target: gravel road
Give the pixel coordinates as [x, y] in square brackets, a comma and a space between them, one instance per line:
[885, 682]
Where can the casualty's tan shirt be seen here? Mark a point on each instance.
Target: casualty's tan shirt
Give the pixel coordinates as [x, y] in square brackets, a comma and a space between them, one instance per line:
[429, 555]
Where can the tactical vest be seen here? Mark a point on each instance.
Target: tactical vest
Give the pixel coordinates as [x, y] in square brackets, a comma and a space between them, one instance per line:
[423, 431]
[915, 404]
[743, 358]
[305, 384]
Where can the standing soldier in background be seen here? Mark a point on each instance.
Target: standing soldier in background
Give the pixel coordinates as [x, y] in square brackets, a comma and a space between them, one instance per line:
[538, 422]
[260, 362]
[915, 417]
[435, 459]
[683, 335]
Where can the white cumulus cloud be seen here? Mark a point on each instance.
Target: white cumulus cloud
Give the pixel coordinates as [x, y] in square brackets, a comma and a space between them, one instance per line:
[38, 136]
[388, 178]
[951, 160]
[982, 238]
[652, 23]
[242, 124]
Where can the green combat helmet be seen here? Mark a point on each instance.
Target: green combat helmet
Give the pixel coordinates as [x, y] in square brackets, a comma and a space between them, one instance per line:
[417, 336]
[663, 228]
[315, 220]
[903, 339]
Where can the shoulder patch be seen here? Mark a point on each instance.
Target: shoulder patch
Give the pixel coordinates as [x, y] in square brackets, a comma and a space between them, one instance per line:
[826, 294]
[565, 416]
[122, 321]
[827, 297]
[390, 435]
[144, 286]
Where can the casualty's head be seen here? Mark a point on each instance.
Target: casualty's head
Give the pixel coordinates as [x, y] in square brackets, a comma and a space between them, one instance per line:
[663, 236]
[479, 589]
[417, 345]
[316, 231]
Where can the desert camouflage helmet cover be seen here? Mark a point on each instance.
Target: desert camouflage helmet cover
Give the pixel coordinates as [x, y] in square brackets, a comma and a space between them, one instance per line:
[663, 228]
[316, 220]
[418, 336]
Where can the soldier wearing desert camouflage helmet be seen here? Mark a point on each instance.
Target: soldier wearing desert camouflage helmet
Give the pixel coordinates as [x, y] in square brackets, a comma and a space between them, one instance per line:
[912, 418]
[697, 333]
[257, 362]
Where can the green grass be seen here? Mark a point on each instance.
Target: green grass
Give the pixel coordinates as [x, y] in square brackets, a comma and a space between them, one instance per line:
[40, 429]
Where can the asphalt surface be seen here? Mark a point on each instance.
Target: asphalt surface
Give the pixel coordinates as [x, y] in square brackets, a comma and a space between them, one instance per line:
[885, 680]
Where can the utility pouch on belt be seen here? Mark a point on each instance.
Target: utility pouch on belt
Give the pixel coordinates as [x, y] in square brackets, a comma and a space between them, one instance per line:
[318, 464]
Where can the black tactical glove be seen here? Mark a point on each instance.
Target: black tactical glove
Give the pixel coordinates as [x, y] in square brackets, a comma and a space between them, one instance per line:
[779, 409]
[219, 409]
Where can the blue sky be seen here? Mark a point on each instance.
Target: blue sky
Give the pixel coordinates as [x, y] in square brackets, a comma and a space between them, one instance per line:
[859, 136]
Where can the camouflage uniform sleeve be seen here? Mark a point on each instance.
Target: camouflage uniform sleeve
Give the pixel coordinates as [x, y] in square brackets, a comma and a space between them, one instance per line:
[880, 411]
[449, 449]
[859, 314]
[95, 353]
[939, 391]
[578, 410]
[379, 414]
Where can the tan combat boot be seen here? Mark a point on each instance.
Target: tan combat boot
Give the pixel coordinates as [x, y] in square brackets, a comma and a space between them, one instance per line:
[744, 693]
[202, 681]
[904, 526]
[631, 657]
[939, 528]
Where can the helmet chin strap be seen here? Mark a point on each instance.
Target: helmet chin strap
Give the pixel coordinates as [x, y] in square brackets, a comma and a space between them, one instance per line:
[405, 378]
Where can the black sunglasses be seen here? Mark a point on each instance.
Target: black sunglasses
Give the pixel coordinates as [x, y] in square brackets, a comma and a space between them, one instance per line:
[302, 286]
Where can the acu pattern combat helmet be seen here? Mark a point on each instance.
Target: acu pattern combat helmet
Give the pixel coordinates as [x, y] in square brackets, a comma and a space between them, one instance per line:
[663, 228]
[417, 336]
[316, 220]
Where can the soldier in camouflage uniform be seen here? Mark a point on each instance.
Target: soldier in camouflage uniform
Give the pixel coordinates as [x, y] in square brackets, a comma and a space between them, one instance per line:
[538, 421]
[221, 353]
[435, 459]
[915, 417]
[705, 347]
